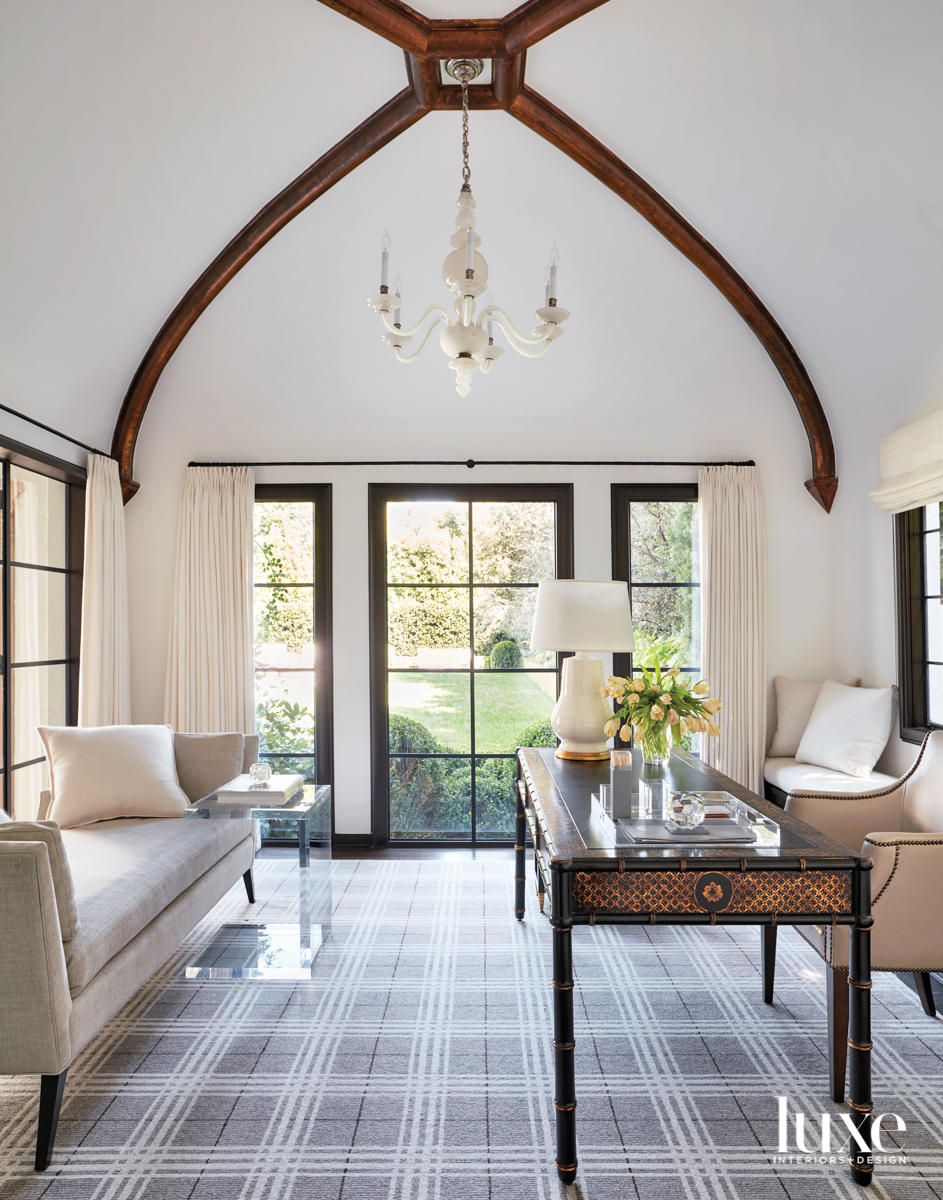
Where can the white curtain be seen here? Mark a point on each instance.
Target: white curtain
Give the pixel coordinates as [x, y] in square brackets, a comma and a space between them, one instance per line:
[104, 665]
[734, 617]
[911, 466]
[210, 665]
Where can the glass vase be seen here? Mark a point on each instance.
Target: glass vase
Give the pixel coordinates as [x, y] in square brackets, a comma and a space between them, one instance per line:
[656, 746]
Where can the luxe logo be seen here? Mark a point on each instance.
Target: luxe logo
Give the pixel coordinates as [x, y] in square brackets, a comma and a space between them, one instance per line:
[825, 1151]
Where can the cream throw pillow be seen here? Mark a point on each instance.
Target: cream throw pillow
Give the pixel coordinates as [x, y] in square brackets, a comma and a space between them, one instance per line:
[848, 729]
[795, 700]
[114, 771]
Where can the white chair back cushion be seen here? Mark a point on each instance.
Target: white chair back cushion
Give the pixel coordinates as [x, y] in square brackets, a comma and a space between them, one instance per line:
[795, 700]
[848, 729]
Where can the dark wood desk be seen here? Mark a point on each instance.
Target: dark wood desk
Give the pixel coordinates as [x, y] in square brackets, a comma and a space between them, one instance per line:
[807, 880]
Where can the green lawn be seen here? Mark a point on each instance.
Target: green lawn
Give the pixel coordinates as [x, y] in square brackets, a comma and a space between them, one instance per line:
[505, 703]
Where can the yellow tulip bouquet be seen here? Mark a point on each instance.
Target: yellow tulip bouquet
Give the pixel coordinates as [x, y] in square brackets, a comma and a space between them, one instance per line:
[660, 707]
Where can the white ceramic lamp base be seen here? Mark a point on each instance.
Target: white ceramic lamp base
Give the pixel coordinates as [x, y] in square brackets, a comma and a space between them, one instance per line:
[581, 713]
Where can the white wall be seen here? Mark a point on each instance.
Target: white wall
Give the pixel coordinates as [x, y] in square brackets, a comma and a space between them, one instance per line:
[137, 138]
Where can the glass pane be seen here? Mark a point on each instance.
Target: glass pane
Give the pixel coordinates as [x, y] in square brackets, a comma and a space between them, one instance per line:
[430, 798]
[667, 625]
[284, 542]
[39, 615]
[934, 611]
[935, 694]
[933, 565]
[436, 711]
[38, 528]
[664, 542]
[504, 618]
[28, 783]
[284, 627]
[39, 698]
[427, 542]
[514, 542]
[428, 628]
[931, 516]
[513, 709]
[494, 798]
[285, 711]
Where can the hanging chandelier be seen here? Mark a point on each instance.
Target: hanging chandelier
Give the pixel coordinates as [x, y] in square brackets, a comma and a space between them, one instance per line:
[469, 342]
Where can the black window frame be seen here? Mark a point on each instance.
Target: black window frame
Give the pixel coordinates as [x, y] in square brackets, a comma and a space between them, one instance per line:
[16, 454]
[320, 495]
[379, 495]
[622, 495]
[912, 650]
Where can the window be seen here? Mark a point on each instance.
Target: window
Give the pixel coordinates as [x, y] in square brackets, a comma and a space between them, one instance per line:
[456, 686]
[292, 535]
[43, 514]
[655, 549]
[920, 621]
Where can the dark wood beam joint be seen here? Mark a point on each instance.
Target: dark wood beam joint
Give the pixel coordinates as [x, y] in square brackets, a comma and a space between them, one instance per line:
[480, 96]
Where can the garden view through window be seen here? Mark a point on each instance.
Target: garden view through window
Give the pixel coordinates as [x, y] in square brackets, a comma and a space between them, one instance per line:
[292, 643]
[657, 552]
[465, 688]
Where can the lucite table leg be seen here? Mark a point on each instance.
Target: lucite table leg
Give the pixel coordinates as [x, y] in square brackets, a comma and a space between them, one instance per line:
[519, 839]
[304, 894]
[859, 1022]
[564, 1042]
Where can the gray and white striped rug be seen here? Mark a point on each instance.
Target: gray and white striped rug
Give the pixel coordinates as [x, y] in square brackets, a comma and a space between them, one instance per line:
[417, 1065]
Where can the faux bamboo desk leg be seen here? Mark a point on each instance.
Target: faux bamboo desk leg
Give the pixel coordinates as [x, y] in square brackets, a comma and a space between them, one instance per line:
[564, 1044]
[859, 1021]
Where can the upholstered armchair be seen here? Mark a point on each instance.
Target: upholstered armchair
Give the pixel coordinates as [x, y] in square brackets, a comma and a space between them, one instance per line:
[900, 826]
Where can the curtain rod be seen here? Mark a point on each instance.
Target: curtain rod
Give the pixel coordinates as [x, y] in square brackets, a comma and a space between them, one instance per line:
[58, 433]
[482, 462]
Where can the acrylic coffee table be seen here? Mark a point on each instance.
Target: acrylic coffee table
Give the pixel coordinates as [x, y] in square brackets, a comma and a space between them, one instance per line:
[270, 949]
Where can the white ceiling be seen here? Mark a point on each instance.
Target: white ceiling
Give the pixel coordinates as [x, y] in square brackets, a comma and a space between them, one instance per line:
[800, 136]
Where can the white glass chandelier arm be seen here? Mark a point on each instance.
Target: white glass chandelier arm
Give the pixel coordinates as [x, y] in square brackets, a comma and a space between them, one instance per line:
[408, 358]
[531, 353]
[508, 326]
[437, 308]
[512, 335]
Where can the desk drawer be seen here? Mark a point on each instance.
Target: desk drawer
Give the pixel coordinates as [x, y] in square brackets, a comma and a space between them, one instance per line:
[792, 893]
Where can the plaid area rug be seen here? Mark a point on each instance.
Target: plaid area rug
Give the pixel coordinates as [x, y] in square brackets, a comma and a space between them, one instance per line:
[417, 1065]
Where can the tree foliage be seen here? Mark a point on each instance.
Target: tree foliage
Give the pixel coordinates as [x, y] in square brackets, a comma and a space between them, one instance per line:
[284, 554]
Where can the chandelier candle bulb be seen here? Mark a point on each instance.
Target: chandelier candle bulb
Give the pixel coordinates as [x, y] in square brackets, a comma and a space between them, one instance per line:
[385, 263]
[554, 260]
[398, 293]
[469, 253]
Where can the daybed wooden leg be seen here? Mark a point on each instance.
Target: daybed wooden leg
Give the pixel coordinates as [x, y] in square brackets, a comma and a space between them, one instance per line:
[925, 992]
[768, 961]
[250, 885]
[51, 1088]
[837, 1032]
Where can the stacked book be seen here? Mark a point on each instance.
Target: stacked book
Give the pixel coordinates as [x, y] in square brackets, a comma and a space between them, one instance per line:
[243, 790]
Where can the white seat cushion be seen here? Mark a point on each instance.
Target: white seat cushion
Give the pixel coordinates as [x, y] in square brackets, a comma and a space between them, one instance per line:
[794, 776]
[126, 872]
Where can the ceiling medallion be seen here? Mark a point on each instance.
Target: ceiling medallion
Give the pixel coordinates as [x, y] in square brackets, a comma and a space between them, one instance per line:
[468, 342]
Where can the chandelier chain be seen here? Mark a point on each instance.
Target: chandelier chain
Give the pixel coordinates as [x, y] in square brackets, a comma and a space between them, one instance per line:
[466, 169]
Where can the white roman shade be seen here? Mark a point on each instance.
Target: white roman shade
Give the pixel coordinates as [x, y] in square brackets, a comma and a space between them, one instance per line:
[912, 466]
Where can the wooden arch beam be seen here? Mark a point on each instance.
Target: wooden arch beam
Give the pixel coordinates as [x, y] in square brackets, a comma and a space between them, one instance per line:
[425, 43]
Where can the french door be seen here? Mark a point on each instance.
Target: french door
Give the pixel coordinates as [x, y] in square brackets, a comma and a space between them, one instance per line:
[456, 685]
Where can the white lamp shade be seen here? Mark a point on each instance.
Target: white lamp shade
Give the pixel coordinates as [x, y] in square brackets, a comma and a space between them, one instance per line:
[583, 614]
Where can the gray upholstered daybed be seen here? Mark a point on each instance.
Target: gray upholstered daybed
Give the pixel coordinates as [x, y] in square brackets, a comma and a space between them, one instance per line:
[90, 912]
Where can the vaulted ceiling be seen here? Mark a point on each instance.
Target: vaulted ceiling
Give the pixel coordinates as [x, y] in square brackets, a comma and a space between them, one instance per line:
[138, 139]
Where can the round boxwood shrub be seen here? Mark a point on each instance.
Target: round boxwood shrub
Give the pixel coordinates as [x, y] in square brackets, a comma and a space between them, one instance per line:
[506, 654]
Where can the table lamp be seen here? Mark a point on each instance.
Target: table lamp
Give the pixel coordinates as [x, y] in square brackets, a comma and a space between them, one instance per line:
[582, 615]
